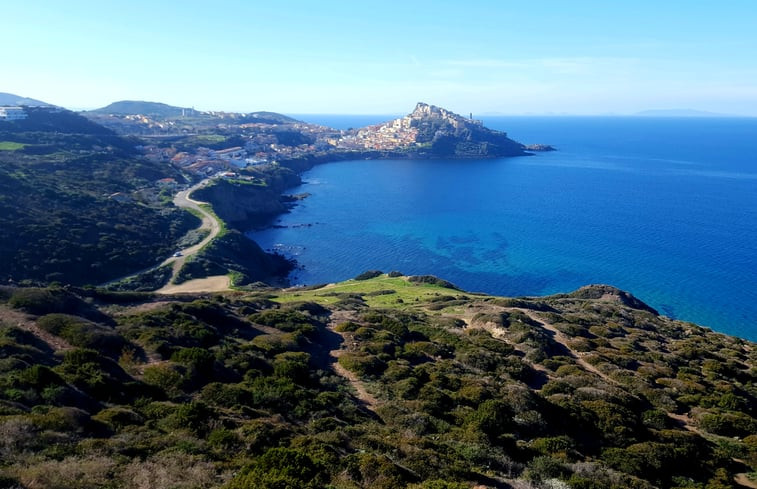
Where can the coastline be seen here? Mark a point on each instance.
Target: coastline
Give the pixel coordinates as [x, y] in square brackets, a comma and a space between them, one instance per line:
[264, 218]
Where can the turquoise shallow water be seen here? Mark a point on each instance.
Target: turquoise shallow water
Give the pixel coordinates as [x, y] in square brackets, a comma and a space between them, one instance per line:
[663, 208]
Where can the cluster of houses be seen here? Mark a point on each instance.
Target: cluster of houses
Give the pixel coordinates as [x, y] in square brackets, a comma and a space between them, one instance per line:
[12, 113]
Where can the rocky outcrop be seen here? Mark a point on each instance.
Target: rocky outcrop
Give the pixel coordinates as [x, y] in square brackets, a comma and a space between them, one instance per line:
[242, 206]
[540, 147]
[608, 293]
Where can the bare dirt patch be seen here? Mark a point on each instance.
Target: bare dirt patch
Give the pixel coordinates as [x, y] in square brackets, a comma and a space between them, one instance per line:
[218, 283]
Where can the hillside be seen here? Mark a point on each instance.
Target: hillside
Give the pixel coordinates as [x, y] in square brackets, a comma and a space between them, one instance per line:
[12, 99]
[78, 204]
[437, 132]
[139, 107]
[264, 117]
[383, 382]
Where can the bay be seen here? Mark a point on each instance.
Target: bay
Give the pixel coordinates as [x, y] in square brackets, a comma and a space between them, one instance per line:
[665, 208]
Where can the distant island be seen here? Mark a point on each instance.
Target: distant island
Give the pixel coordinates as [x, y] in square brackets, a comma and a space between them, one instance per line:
[680, 113]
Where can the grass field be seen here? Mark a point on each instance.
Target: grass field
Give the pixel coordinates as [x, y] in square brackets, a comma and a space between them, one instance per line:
[382, 291]
[10, 146]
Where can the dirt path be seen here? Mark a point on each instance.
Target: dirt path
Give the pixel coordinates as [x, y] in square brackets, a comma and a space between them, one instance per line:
[685, 422]
[368, 400]
[27, 323]
[743, 480]
[217, 283]
[209, 223]
[365, 397]
[561, 338]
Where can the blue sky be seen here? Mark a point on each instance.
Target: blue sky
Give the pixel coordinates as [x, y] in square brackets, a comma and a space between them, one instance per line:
[512, 57]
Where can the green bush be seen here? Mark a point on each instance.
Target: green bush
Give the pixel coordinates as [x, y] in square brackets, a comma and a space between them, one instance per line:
[293, 366]
[543, 468]
[430, 279]
[280, 468]
[728, 423]
[82, 333]
[275, 343]
[362, 364]
[43, 300]
[168, 378]
[369, 275]
[118, 417]
[285, 320]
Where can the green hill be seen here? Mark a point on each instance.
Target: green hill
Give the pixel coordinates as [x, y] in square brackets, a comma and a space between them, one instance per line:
[389, 382]
[268, 118]
[57, 220]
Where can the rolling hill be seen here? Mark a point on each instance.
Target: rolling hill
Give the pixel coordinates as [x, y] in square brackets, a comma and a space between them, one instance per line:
[136, 107]
[12, 99]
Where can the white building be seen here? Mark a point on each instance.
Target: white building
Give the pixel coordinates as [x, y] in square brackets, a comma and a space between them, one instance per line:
[12, 113]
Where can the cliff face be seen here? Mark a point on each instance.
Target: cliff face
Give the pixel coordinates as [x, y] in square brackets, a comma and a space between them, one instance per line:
[453, 135]
[242, 206]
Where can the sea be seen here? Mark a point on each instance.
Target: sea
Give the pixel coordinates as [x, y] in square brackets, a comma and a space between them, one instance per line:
[665, 208]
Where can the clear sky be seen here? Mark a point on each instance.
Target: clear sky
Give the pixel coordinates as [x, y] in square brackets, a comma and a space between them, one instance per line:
[352, 57]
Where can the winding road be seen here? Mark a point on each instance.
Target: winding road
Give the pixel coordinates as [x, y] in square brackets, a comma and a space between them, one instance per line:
[210, 223]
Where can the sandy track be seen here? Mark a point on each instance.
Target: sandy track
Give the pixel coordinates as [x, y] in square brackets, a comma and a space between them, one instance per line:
[211, 223]
[218, 283]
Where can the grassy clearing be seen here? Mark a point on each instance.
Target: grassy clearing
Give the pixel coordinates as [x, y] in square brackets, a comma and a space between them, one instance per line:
[382, 292]
[209, 138]
[11, 146]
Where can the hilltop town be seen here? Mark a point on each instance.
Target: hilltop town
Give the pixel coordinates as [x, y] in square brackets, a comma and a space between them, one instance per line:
[217, 143]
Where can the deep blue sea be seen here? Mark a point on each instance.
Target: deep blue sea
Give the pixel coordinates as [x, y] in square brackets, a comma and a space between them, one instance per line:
[665, 208]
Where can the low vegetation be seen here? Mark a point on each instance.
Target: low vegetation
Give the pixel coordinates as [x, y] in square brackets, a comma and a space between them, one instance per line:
[385, 382]
[58, 221]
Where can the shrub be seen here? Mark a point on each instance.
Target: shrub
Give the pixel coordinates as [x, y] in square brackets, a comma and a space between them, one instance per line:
[728, 423]
[194, 416]
[289, 321]
[82, 333]
[43, 301]
[430, 279]
[281, 468]
[293, 366]
[275, 343]
[347, 326]
[166, 377]
[226, 395]
[369, 275]
[172, 469]
[194, 358]
[362, 364]
[71, 472]
[118, 417]
[381, 292]
[492, 417]
[543, 468]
